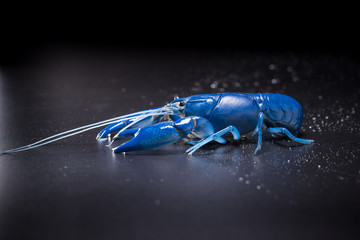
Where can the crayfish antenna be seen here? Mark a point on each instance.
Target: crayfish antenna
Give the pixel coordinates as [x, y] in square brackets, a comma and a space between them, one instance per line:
[75, 131]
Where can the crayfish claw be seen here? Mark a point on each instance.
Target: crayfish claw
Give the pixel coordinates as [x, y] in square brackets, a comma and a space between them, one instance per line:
[114, 127]
[149, 137]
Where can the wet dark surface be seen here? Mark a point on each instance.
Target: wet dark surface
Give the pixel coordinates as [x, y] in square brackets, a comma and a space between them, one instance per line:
[78, 189]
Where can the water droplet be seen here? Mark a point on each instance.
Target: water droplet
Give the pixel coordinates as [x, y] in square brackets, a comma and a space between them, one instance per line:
[214, 85]
[274, 81]
[319, 166]
[157, 202]
[256, 83]
[320, 97]
[247, 181]
[258, 187]
[272, 66]
[241, 179]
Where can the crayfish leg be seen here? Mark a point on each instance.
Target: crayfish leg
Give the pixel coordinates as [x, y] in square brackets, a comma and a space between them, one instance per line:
[215, 137]
[287, 133]
[258, 131]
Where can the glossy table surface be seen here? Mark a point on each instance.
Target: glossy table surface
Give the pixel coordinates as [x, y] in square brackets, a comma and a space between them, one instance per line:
[78, 189]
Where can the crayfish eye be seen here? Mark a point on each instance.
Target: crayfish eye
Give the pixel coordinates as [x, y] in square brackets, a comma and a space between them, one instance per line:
[181, 104]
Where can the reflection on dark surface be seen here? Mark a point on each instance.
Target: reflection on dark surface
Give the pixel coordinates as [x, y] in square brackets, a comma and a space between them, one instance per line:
[78, 188]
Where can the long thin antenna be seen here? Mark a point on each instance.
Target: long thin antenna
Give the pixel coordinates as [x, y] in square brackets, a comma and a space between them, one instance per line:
[75, 131]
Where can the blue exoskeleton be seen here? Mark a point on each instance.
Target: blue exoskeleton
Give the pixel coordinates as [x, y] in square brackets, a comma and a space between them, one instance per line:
[200, 119]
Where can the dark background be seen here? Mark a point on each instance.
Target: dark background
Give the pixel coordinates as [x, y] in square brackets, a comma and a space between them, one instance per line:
[55, 77]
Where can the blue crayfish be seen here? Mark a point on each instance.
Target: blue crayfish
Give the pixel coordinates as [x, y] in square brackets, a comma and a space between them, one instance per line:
[199, 119]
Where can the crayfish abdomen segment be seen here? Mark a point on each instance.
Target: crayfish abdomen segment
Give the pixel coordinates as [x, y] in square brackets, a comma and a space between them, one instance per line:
[282, 111]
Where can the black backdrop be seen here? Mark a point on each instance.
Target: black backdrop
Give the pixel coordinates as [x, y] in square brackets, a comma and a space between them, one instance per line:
[56, 76]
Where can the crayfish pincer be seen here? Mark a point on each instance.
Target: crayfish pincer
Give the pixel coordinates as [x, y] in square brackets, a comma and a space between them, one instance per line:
[199, 119]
